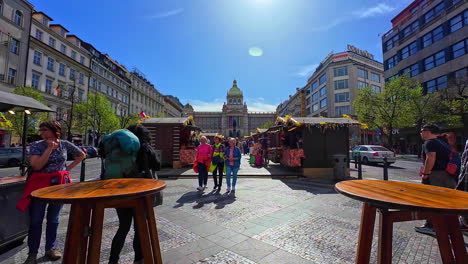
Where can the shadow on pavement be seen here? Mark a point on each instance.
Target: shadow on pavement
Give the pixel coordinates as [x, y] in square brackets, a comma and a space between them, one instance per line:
[315, 186]
[200, 199]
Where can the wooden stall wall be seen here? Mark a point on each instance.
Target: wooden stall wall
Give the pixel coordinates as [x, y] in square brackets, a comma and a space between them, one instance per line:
[320, 147]
[162, 138]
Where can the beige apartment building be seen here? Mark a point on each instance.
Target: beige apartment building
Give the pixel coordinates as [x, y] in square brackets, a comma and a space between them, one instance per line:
[144, 96]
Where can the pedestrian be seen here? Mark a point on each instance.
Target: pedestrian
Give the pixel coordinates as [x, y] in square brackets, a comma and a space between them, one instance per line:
[251, 152]
[130, 148]
[264, 142]
[258, 153]
[233, 161]
[463, 183]
[436, 156]
[48, 164]
[217, 162]
[202, 163]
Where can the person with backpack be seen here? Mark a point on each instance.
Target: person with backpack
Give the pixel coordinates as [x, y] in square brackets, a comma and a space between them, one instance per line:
[463, 183]
[437, 158]
[127, 153]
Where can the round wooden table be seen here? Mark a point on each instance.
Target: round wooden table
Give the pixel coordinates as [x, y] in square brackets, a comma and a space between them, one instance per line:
[402, 201]
[88, 201]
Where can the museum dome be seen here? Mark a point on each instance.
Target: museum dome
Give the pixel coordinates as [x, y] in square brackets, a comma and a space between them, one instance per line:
[234, 89]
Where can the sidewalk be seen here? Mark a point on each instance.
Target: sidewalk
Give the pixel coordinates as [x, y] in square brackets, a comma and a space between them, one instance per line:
[293, 220]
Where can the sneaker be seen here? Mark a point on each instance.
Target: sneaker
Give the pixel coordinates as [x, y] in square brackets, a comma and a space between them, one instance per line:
[425, 230]
[32, 259]
[204, 187]
[228, 189]
[200, 188]
[53, 254]
[215, 187]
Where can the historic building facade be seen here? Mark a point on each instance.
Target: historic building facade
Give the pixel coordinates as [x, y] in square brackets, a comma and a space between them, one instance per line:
[234, 120]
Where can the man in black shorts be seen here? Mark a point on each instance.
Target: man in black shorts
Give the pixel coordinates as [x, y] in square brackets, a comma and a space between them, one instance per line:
[436, 155]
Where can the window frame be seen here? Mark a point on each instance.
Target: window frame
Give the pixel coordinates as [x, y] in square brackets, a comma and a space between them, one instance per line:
[14, 48]
[11, 77]
[50, 61]
[52, 42]
[341, 84]
[35, 82]
[39, 34]
[321, 93]
[464, 48]
[62, 70]
[37, 58]
[18, 15]
[324, 105]
[340, 71]
[346, 97]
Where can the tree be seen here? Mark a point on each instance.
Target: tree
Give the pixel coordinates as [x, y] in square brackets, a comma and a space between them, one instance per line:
[455, 100]
[125, 121]
[96, 113]
[267, 125]
[33, 120]
[390, 109]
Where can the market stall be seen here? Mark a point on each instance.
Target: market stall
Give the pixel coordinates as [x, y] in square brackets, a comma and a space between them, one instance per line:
[13, 223]
[311, 142]
[176, 138]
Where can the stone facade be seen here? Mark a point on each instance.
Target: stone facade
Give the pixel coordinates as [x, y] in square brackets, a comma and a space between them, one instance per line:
[234, 120]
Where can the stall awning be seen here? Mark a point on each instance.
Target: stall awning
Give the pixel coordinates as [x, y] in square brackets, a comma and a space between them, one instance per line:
[10, 101]
[328, 120]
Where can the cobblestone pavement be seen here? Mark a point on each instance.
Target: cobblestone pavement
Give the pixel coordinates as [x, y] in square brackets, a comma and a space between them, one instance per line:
[265, 221]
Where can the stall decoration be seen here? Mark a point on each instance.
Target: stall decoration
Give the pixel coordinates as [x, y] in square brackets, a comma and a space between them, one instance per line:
[292, 157]
[188, 155]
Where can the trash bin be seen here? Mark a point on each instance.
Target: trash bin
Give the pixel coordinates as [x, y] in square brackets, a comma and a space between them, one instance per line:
[340, 162]
[13, 222]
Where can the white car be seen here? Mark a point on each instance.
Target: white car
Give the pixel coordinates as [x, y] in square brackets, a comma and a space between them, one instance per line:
[373, 154]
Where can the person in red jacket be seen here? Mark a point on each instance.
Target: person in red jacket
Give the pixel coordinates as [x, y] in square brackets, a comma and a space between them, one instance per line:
[48, 162]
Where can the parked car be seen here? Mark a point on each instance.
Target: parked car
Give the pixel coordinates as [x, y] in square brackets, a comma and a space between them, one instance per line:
[91, 151]
[12, 157]
[372, 154]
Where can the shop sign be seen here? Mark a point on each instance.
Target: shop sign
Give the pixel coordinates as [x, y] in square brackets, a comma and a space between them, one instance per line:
[364, 53]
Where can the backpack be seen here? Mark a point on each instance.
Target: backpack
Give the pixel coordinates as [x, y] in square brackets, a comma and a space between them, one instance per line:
[454, 163]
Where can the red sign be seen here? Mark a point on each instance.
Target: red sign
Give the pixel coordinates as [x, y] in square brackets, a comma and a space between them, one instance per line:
[340, 56]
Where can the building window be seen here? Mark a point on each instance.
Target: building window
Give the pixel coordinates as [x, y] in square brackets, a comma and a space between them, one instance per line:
[413, 70]
[81, 78]
[72, 74]
[308, 89]
[459, 48]
[341, 84]
[342, 71]
[376, 89]
[314, 86]
[322, 79]
[456, 23]
[434, 60]
[38, 34]
[44, 21]
[375, 77]
[82, 60]
[315, 107]
[361, 85]
[315, 97]
[409, 50]
[323, 103]
[52, 42]
[392, 62]
[37, 57]
[18, 18]
[50, 64]
[48, 86]
[80, 95]
[341, 97]
[323, 91]
[59, 90]
[433, 36]
[63, 49]
[99, 85]
[62, 69]
[431, 14]
[436, 84]
[14, 46]
[107, 89]
[391, 43]
[35, 80]
[341, 110]
[410, 29]
[11, 76]
[73, 54]
[363, 73]
[93, 82]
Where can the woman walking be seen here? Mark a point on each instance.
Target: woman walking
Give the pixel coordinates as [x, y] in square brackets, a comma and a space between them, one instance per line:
[233, 160]
[48, 163]
[217, 162]
[202, 163]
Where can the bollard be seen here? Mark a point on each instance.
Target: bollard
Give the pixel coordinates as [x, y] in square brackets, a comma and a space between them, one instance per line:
[83, 170]
[359, 167]
[385, 169]
[355, 160]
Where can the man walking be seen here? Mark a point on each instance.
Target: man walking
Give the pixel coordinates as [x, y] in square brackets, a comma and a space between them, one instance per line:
[436, 156]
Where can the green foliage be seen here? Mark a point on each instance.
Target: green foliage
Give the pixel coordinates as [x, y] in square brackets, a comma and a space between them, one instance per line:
[96, 113]
[267, 125]
[33, 120]
[125, 121]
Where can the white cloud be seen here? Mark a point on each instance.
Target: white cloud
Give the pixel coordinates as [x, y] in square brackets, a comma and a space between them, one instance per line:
[167, 13]
[253, 105]
[326, 27]
[307, 70]
[379, 9]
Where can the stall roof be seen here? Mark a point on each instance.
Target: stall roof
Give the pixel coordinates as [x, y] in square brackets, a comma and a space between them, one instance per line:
[10, 101]
[329, 120]
[165, 120]
[209, 134]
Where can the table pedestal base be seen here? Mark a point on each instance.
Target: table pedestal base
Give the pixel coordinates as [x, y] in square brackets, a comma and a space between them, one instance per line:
[449, 237]
[83, 242]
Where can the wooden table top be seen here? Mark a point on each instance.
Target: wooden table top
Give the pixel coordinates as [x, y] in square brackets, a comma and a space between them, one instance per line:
[403, 195]
[99, 190]
[12, 179]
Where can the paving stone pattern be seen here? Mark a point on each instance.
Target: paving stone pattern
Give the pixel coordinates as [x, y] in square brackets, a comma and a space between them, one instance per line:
[266, 221]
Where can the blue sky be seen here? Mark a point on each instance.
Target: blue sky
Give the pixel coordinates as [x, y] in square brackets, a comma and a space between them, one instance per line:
[193, 49]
